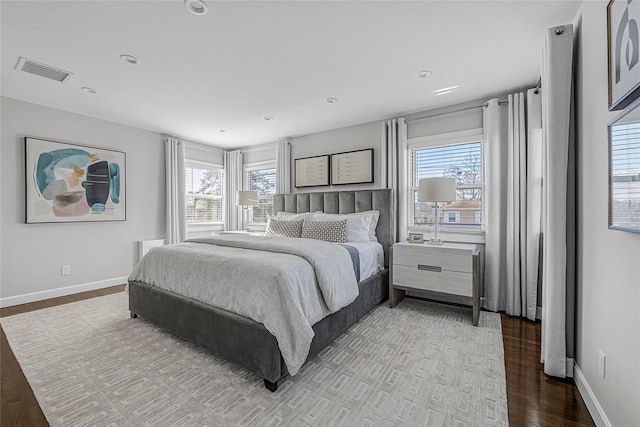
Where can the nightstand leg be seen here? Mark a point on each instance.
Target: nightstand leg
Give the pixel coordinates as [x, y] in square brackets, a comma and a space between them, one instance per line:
[395, 295]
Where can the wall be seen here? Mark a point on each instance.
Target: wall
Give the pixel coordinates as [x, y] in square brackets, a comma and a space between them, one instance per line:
[100, 253]
[608, 270]
[368, 135]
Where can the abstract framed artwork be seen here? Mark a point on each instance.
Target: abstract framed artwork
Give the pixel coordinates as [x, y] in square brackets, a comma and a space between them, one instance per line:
[352, 167]
[623, 133]
[312, 171]
[73, 183]
[623, 34]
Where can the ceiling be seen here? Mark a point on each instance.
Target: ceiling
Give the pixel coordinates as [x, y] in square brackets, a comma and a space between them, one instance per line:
[242, 61]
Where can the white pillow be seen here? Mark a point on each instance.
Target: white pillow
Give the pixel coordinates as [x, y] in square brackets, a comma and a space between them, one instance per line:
[358, 224]
[290, 216]
[375, 216]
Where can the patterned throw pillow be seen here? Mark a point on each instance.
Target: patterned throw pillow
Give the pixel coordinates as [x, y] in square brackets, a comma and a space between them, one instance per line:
[330, 231]
[277, 227]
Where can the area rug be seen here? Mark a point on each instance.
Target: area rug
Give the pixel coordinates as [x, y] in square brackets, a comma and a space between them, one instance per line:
[419, 364]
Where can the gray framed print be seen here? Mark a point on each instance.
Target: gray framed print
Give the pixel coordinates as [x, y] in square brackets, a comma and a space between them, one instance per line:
[352, 167]
[311, 171]
[73, 183]
[624, 170]
[623, 34]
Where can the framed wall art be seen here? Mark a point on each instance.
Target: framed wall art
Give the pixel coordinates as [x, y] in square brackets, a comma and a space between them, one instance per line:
[623, 133]
[311, 171]
[623, 33]
[73, 183]
[352, 167]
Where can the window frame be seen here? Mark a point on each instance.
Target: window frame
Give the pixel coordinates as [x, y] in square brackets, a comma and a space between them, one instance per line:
[441, 140]
[210, 225]
[247, 168]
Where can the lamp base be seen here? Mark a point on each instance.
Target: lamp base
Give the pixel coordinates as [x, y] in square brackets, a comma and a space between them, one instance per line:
[434, 242]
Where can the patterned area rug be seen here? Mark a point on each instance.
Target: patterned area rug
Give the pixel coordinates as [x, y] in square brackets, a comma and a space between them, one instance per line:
[419, 364]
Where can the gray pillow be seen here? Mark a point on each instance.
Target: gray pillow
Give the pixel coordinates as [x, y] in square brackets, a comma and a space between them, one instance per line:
[277, 227]
[330, 231]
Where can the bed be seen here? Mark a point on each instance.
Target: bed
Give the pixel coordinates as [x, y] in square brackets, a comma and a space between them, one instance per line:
[244, 341]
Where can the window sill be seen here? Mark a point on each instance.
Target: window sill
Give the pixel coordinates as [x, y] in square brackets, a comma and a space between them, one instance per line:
[456, 236]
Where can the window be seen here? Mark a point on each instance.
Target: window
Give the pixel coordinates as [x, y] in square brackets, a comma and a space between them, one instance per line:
[461, 158]
[452, 216]
[204, 191]
[261, 178]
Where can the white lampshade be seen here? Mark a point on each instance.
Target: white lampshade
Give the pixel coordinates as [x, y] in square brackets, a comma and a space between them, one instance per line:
[437, 190]
[247, 198]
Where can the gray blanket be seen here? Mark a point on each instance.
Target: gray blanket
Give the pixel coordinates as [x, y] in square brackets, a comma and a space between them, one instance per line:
[286, 284]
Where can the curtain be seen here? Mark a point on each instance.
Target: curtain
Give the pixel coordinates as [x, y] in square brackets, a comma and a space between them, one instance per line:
[558, 215]
[233, 182]
[512, 235]
[395, 148]
[283, 167]
[176, 216]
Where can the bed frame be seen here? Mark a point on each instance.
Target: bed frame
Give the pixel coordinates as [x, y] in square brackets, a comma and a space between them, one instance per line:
[246, 342]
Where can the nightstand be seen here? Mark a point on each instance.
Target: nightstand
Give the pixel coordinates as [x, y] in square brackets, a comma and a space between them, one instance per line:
[447, 269]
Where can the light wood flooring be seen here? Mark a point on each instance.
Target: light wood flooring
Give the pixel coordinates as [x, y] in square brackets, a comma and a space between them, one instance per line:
[533, 398]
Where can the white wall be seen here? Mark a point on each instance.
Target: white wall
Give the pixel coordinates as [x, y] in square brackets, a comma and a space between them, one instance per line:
[608, 271]
[368, 135]
[99, 253]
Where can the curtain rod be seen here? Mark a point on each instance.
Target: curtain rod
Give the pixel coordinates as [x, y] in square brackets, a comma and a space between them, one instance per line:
[500, 101]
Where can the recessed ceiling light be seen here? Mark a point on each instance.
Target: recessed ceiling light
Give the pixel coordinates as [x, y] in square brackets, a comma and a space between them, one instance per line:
[443, 93]
[197, 7]
[129, 59]
[222, 130]
[268, 118]
[88, 89]
[424, 73]
[446, 89]
[332, 100]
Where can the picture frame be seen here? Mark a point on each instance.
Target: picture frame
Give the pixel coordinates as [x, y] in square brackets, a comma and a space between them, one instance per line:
[311, 171]
[623, 136]
[352, 167]
[67, 182]
[416, 238]
[623, 53]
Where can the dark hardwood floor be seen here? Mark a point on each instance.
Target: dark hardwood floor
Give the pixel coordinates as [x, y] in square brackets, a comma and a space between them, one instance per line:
[534, 399]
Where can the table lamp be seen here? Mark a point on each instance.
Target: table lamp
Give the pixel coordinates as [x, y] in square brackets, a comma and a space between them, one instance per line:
[437, 190]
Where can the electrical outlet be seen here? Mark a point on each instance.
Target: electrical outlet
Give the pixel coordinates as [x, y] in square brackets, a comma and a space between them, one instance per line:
[601, 363]
[65, 270]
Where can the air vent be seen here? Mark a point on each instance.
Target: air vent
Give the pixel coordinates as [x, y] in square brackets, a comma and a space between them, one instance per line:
[43, 70]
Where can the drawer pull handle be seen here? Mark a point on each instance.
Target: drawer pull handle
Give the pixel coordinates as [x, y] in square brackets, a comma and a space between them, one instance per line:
[429, 268]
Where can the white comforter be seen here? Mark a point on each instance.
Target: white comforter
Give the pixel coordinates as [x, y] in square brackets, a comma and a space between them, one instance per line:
[286, 284]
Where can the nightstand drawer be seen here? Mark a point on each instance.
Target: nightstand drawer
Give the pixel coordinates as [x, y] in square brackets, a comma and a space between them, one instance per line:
[447, 259]
[450, 282]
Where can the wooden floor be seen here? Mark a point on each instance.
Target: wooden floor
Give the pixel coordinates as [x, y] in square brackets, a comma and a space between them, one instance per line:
[534, 399]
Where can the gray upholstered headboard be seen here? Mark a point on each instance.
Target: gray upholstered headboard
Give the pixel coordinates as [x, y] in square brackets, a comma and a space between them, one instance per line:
[343, 202]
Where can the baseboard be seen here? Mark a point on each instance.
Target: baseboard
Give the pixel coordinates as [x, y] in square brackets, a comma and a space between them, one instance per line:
[589, 397]
[60, 292]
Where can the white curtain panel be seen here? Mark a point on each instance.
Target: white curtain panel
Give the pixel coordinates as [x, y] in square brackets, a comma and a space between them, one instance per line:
[397, 154]
[283, 166]
[513, 214]
[558, 220]
[496, 136]
[175, 191]
[233, 183]
[534, 202]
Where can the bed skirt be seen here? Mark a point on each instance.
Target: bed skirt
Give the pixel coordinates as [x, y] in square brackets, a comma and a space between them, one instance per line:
[238, 338]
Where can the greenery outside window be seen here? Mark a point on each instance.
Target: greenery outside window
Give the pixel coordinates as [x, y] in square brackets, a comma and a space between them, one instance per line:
[204, 184]
[261, 177]
[459, 156]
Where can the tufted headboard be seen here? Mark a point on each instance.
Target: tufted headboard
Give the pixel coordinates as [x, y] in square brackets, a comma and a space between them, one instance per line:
[343, 202]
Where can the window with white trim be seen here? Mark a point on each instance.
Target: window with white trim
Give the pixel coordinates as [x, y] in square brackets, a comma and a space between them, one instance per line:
[459, 156]
[204, 190]
[261, 177]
